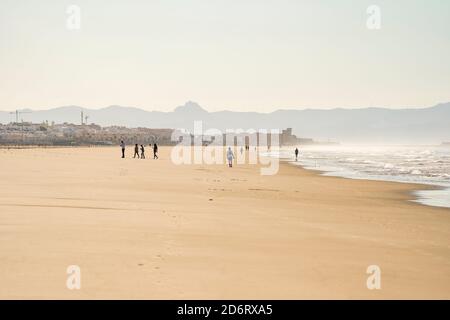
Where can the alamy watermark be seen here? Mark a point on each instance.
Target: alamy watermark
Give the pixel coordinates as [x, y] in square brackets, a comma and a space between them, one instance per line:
[373, 21]
[212, 146]
[73, 21]
[374, 280]
[73, 281]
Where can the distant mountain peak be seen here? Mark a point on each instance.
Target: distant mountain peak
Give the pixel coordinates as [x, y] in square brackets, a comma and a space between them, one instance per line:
[70, 107]
[190, 107]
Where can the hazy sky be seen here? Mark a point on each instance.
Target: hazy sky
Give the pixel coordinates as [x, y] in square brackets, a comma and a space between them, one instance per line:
[247, 55]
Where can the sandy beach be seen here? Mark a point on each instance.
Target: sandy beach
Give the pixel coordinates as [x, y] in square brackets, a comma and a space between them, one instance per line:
[148, 229]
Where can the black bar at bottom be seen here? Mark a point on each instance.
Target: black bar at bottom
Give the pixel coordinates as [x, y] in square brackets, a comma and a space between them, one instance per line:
[225, 309]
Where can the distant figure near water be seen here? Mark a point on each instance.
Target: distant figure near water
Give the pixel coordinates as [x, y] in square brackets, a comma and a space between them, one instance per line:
[296, 154]
[122, 145]
[136, 151]
[142, 152]
[155, 151]
[230, 157]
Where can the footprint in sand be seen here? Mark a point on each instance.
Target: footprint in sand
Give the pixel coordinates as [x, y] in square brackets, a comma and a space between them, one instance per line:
[215, 189]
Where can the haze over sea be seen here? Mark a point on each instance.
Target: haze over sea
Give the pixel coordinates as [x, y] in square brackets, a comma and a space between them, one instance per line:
[413, 164]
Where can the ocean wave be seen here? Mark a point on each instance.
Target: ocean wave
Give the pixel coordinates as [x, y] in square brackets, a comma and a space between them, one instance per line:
[403, 164]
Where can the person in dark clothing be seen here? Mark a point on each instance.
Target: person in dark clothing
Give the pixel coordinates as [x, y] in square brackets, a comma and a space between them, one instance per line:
[122, 145]
[296, 154]
[142, 152]
[136, 151]
[155, 151]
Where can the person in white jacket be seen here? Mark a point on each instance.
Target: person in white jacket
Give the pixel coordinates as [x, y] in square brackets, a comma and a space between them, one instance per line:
[230, 157]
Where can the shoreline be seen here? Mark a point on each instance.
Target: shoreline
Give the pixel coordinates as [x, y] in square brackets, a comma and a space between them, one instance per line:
[415, 187]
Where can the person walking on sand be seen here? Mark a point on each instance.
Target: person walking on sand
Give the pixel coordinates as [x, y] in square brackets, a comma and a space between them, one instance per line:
[230, 157]
[142, 152]
[136, 151]
[122, 146]
[155, 151]
[296, 154]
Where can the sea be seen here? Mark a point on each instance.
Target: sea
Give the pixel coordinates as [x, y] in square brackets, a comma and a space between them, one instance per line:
[409, 164]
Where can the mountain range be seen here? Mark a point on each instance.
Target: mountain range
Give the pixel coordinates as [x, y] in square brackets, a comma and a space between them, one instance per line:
[430, 125]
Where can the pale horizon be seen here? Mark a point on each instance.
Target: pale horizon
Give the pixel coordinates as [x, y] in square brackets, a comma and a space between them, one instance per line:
[247, 56]
[214, 109]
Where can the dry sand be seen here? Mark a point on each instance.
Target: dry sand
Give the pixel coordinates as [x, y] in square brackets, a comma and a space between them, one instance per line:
[150, 229]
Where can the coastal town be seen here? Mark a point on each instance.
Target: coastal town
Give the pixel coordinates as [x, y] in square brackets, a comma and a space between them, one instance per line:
[68, 134]
[84, 134]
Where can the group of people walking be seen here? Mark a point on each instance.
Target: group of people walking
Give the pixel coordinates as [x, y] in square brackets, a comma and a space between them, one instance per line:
[140, 155]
